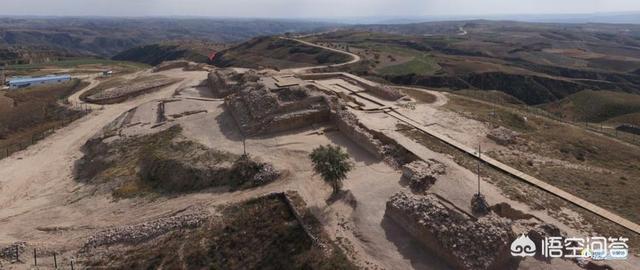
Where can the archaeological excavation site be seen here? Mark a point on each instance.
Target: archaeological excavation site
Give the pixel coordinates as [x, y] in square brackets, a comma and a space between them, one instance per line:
[195, 166]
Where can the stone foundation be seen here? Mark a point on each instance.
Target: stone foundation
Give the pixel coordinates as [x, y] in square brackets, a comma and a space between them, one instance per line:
[421, 175]
[460, 240]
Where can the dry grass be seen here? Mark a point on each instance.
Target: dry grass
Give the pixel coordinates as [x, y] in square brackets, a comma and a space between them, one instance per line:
[420, 96]
[490, 96]
[593, 167]
[36, 109]
[536, 198]
[596, 106]
[162, 163]
[261, 233]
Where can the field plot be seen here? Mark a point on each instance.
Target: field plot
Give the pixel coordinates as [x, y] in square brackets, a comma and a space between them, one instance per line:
[75, 66]
[30, 111]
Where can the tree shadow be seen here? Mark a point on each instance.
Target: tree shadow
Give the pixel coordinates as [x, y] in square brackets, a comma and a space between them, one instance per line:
[345, 196]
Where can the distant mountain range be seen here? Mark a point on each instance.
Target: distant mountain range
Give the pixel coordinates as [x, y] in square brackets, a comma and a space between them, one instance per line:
[632, 17]
[40, 39]
[25, 40]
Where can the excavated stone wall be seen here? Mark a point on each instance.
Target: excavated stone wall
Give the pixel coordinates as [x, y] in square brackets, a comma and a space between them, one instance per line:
[258, 110]
[221, 82]
[421, 175]
[297, 119]
[134, 234]
[351, 127]
[461, 241]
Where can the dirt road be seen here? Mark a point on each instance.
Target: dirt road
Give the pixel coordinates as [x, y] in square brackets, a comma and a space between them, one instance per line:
[37, 184]
[354, 59]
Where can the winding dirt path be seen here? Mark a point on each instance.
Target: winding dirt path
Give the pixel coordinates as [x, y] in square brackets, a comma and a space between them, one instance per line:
[354, 58]
[40, 178]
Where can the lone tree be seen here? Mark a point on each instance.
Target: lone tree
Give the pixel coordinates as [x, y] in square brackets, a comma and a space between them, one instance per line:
[332, 163]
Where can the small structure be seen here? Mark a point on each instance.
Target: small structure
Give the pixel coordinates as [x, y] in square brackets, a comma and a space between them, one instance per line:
[2, 77]
[107, 73]
[21, 82]
[212, 56]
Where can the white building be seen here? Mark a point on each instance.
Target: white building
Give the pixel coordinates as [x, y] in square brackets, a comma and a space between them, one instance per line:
[21, 82]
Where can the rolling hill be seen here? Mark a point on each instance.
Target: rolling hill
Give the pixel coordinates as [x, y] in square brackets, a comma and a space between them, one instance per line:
[273, 52]
[25, 40]
[535, 62]
[154, 54]
[598, 106]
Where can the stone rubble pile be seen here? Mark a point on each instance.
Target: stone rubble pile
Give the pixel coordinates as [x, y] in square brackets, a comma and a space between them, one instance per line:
[222, 83]
[294, 93]
[9, 252]
[503, 136]
[260, 102]
[421, 175]
[455, 237]
[479, 204]
[266, 174]
[134, 234]
[258, 110]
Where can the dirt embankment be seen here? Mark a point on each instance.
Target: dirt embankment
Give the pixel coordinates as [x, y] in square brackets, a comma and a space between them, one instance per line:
[275, 231]
[165, 162]
[128, 90]
[32, 110]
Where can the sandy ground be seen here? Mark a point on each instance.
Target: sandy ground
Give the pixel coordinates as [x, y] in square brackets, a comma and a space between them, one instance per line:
[37, 189]
[42, 204]
[36, 200]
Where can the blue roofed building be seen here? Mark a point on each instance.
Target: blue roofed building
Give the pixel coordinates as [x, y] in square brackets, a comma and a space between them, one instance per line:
[21, 82]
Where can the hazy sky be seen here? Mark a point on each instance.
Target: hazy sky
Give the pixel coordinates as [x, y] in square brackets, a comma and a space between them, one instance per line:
[309, 8]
